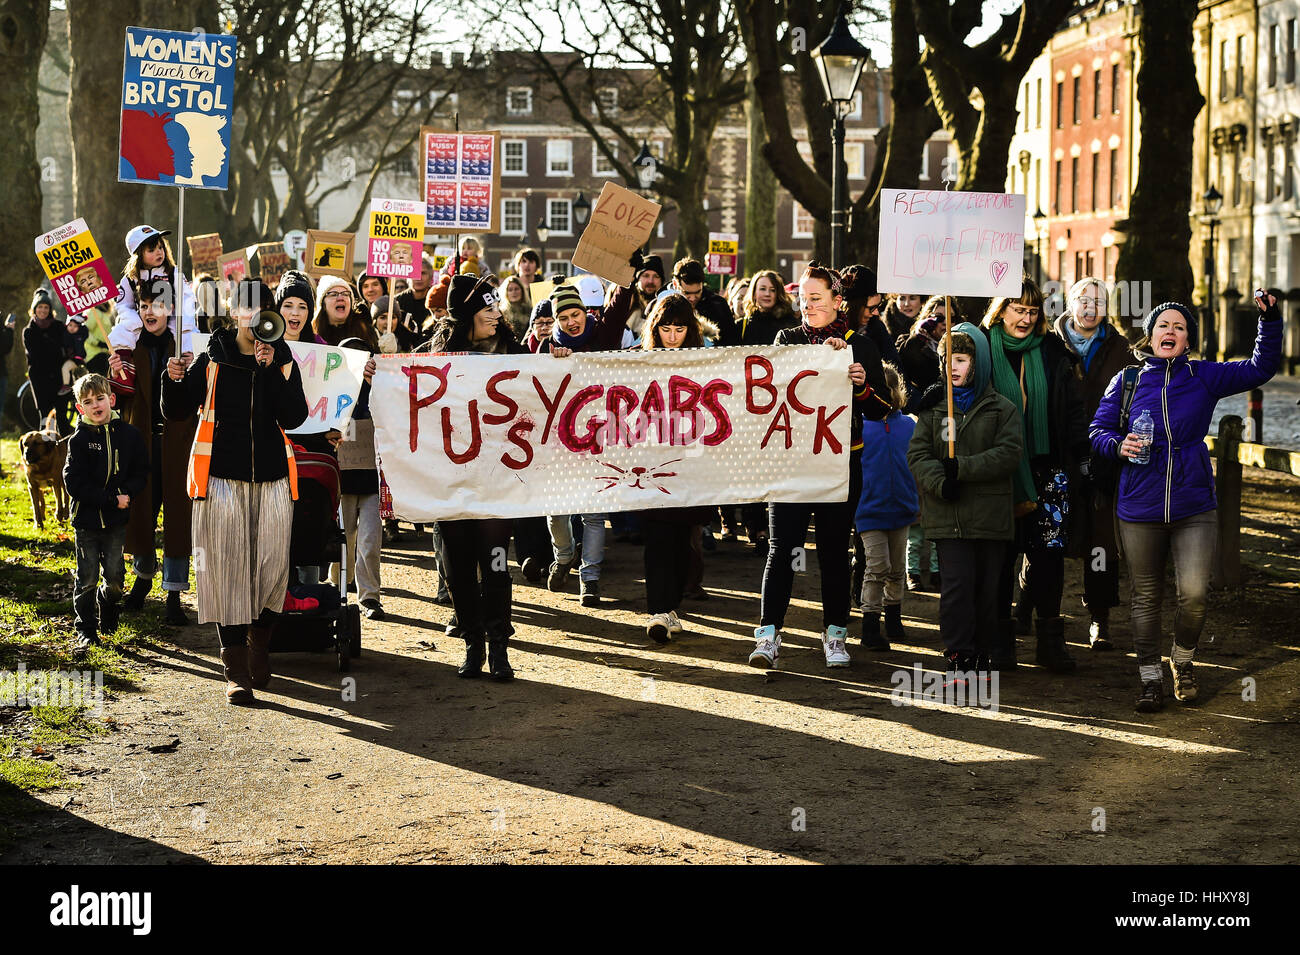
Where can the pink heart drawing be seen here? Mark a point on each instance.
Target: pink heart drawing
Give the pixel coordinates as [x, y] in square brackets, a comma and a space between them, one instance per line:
[999, 271]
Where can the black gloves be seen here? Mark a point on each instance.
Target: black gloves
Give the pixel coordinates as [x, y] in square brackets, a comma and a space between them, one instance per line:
[1269, 313]
[951, 486]
[636, 260]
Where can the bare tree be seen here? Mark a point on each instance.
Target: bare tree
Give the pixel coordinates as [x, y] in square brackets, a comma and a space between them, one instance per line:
[678, 67]
[1169, 98]
[23, 28]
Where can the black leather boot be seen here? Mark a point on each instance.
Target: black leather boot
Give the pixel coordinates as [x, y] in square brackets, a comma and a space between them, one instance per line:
[1002, 655]
[175, 612]
[871, 638]
[134, 599]
[894, 623]
[498, 661]
[472, 668]
[1051, 646]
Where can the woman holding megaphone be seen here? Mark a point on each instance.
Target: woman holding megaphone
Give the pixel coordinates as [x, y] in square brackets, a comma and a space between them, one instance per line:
[243, 481]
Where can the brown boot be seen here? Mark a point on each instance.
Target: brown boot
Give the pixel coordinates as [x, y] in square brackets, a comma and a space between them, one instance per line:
[239, 686]
[259, 656]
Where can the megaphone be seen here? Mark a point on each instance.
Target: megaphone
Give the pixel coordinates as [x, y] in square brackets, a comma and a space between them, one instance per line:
[268, 326]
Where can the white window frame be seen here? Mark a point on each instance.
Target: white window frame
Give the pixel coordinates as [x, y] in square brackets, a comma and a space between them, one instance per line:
[856, 112]
[596, 157]
[795, 209]
[505, 169]
[510, 91]
[857, 168]
[550, 216]
[558, 265]
[523, 216]
[568, 147]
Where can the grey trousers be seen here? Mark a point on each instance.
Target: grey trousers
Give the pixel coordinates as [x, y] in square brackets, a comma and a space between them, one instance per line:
[1147, 548]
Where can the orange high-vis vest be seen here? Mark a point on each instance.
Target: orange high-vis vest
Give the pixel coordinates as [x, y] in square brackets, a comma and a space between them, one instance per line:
[201, 453]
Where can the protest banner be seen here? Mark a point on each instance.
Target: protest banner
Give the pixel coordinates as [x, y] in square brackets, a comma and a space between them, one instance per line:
[234, 267]
[79, 274]
[472, 436]
[724, 248]
[621, 221]
[330, 253]
[395, 239]
[295, 245]
[331, 381]
[441, 254]
[272, 262]
[460, 179]
[177, 103]
[951, 243]
[205, 253]
[357, 449]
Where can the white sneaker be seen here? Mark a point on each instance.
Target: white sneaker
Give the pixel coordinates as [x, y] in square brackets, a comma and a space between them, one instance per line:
[659, 627]
[768, 648]
[837, 655]
[674, 625]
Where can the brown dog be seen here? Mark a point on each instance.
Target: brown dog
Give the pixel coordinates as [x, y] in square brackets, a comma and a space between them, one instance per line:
[43, 453]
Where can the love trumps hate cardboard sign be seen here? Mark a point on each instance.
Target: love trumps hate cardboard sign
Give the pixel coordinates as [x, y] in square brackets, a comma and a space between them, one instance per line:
[951, 243]
[477, 436]
[621, 221]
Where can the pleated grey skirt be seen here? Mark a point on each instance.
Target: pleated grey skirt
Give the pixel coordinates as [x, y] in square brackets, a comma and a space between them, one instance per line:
[241, 549]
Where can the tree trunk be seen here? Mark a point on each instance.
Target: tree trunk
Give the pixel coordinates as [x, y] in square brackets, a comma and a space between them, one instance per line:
[759, 240]
[24, 25]
[1158, 229]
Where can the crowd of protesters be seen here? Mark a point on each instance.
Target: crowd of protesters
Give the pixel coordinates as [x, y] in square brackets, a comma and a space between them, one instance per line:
[1037, 461]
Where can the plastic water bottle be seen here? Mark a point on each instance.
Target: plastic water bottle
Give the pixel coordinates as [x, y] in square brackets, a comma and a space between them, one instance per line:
[1144, 428]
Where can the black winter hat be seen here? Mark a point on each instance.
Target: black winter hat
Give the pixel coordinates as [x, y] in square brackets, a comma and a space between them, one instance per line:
[859, 283]
[653, 264]
[468, 294]
[42, 297]
[295, 284]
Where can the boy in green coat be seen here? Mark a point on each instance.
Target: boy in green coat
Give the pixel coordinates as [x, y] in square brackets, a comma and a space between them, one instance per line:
[967, 504]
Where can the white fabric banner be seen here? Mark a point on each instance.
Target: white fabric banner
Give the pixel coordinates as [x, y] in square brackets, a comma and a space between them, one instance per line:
[331, 381]
[477, 436]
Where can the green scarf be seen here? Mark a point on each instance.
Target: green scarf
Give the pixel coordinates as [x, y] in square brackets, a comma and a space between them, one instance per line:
[1037, 439]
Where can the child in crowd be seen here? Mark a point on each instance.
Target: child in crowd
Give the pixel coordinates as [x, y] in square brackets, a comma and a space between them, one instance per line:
[887, 506]
[967, 507]
[74, 351]
[106, 468]
[150, 259]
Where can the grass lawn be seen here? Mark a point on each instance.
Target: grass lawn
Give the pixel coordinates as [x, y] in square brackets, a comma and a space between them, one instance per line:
[37, 571]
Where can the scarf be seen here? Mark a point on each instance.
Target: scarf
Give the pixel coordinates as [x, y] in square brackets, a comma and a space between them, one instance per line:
[575, 342]
[963, 396]
[836, 329]
[1083, 347]
[1032, 402]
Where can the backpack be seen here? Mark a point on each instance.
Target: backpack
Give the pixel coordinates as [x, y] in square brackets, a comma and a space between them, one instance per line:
[1105, 471]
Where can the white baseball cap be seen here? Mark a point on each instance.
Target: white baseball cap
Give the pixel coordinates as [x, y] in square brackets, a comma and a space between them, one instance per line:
[137, 236]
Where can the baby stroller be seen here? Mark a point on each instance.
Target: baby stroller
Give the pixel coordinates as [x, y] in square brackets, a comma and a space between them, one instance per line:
[316, 538]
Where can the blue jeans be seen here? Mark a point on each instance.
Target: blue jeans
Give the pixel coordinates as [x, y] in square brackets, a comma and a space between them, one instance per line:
[97, 549]
[593, 543]
[176, 570]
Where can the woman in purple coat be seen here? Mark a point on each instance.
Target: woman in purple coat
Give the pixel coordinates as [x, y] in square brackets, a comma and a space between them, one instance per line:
[1167, 506]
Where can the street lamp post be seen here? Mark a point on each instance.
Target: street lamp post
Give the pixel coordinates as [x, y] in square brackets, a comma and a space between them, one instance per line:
[1213, 200]
[543, 233]
[646, 171]
[581, 209]
[839, 60]
[1040, 232]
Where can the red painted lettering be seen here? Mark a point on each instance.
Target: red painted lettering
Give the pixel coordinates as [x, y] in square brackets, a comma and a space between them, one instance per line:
[710, 398]
[792, 398]
[683, 398]
[824, 430]
[475, 437]
[518, 431]
[413, 373]
[505, 401]
[764, 382]
[619, 400]
[550, 404]
[566, 430]
[782, 415]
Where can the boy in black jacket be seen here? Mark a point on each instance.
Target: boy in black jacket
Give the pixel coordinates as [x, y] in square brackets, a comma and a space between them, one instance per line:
[106, 468]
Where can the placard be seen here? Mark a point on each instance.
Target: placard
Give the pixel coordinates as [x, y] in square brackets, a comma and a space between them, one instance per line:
[951, 243]
[331, 381]
[74, 266]
[620, 222]
[272, 262]
[724, 249]
[329, 253]
[205, 253]
[234, 267]
[177, 108]
[460, 179]
[357, 449]
[395, 239]
[475, 436]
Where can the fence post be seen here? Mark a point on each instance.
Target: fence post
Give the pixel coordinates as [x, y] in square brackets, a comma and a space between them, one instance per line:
[1227, 486]
[1254, 433]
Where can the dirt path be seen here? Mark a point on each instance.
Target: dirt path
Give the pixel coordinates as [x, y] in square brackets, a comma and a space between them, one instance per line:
[608, 748]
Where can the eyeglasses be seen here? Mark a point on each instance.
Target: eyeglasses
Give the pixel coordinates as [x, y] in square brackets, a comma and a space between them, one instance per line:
[1094, 302]
[338, 293]
[1023, 311]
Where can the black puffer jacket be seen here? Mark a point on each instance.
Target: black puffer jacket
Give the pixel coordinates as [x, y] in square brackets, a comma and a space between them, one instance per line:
[870, 402]
[252, 405]
[761, 328]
